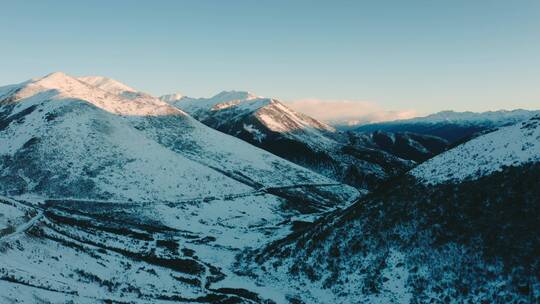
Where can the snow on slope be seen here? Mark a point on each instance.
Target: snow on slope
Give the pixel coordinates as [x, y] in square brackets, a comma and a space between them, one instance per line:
[96, 250]
[107, 84]
[137, 201]
[229, 107]
[125, 148]
[117, 88]
[271, 125]
[299, 121]
[508, 146]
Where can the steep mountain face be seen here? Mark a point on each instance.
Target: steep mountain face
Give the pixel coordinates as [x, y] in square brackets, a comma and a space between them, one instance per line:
[469, 236]
[116, 196]
[456, 127]
[358, 160]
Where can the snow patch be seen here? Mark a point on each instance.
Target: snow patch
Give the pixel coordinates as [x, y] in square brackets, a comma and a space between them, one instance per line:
[257, 135]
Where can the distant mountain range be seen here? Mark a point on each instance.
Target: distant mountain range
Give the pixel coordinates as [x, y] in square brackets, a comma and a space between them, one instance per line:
[450, 125]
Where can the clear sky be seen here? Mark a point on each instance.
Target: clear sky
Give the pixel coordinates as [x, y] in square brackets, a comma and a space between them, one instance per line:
[396, 55]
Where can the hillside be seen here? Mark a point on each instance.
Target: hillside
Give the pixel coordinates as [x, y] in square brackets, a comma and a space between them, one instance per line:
[472, 239]
[111, 195]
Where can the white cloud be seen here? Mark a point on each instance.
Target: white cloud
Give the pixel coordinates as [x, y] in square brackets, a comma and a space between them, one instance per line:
[350, 112]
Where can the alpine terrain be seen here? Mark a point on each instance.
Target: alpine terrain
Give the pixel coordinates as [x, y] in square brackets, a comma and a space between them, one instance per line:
[111, 195]
[459, 228]
[363, 161]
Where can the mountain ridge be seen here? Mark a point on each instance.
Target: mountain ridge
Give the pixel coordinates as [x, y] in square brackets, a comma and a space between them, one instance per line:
[359, 161]
[452, 126]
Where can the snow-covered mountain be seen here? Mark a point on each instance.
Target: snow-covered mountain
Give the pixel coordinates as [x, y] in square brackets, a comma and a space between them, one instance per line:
[461, 227]
[509, 146]
[116, 196]
[109, 195]
[452, 126]
[267, 123]
[237, 112]
[107, 84]
[73, 128]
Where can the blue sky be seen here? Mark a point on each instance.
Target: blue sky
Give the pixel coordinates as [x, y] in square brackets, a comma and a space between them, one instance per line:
[394, 55]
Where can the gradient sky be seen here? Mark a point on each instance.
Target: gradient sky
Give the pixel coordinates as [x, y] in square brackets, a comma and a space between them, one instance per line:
[396, 55]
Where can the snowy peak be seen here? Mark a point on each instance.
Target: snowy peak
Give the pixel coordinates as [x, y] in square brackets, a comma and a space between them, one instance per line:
[494, 117]
[280, 118]
[227, 96]
[171, 98]
[101, 92]
[223, 100]
[53, 78]
[107, 84]
[93, 125]
[229, 106]
[61, 82]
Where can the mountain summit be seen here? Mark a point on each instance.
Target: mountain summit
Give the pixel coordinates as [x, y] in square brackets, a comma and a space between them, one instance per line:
[107, 84]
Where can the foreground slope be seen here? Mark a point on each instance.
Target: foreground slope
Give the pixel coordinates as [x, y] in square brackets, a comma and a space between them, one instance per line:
[115, 196]
[361, 161]
[469, 237]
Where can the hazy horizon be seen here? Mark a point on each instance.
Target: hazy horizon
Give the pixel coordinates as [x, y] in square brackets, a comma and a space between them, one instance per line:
[392, 59]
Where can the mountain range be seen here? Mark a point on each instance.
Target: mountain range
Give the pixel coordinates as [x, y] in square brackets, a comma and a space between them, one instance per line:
[455, 127]
[111, 195]
[360, 160]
